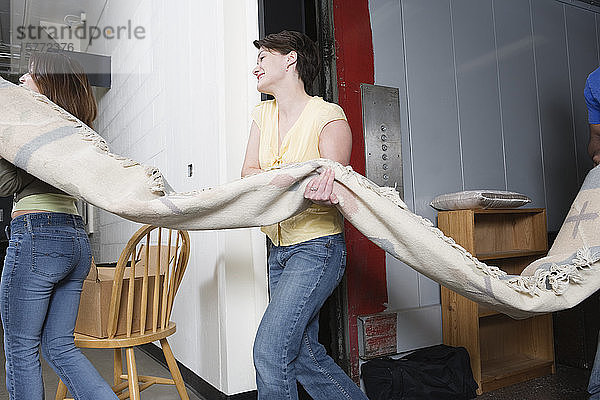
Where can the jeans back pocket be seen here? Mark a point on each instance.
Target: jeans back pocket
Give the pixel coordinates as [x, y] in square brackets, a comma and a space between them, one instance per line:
[52, 255]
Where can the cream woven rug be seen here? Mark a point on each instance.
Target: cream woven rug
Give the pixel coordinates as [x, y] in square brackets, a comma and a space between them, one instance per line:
[46, 141]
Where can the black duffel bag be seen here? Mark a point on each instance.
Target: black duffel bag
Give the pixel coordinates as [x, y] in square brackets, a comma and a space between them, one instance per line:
[434, 373]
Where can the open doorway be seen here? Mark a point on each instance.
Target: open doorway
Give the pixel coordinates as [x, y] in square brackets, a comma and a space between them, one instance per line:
[315, 19]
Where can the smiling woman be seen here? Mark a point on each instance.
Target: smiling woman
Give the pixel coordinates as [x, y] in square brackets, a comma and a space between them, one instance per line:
[307, 256]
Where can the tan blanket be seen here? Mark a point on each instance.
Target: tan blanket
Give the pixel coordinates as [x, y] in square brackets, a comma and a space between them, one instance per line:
[43, 139]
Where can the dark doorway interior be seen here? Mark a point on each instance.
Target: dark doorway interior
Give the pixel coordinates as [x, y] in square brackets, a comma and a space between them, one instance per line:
[279, 15]
[314, 18]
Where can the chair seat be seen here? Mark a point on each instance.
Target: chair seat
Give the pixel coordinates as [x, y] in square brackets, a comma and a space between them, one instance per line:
[135, 339]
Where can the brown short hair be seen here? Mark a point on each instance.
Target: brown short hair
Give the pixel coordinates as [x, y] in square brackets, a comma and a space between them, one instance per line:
[307, 64]
[63, 81]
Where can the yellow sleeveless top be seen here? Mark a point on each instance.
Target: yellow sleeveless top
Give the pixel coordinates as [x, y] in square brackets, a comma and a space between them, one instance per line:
[301, 143]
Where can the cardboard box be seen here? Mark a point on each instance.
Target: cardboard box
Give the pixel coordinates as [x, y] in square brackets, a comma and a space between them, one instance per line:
[92, 318]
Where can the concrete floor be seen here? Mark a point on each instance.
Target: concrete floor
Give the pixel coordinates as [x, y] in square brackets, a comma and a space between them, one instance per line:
[567, 384]
[102, 360]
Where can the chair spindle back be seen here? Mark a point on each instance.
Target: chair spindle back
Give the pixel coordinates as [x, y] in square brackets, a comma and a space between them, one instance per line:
[148, 256]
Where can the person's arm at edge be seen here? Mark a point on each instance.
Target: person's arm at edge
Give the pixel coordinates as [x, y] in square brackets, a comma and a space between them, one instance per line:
[593, 108]
[594, 144]
[251, 164]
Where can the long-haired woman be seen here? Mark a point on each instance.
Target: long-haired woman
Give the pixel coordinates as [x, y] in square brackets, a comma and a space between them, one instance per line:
[48, 257]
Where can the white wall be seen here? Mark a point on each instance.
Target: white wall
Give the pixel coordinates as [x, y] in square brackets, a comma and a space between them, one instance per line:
[182, 96]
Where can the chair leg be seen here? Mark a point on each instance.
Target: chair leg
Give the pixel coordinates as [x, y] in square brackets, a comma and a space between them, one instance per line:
[117, 366]
[175, 373]
[134, 386]
[61, 392]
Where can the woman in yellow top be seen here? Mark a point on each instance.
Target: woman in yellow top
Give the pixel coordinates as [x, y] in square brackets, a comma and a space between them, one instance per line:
[307, 258]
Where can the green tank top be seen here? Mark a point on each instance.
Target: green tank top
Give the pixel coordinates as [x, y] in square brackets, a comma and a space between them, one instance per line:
[53, 202]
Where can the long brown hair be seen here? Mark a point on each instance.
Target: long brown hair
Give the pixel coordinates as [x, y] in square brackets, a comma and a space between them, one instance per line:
[63, 81]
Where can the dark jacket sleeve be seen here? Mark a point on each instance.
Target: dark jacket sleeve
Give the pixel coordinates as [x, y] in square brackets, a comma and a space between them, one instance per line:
[12, 179]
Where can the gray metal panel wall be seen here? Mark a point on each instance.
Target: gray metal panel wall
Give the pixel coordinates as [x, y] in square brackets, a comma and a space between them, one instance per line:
[491, 97]
[583, 59]
[493, 92]
[480, 127]
[555, 108]
[389, 65]
[431, 93]
[412, 289]
[520, 117]
[432, 108]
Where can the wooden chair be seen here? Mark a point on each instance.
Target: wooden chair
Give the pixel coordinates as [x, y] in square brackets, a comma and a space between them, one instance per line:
[144, 255]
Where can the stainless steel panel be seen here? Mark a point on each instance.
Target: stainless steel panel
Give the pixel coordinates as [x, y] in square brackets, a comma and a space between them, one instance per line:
[383, 140]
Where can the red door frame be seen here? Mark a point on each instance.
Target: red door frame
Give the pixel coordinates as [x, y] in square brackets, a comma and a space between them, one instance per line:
[366, 274]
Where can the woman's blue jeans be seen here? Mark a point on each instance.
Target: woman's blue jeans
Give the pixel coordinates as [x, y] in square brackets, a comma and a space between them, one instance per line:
[47, 260]
[286, 348]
